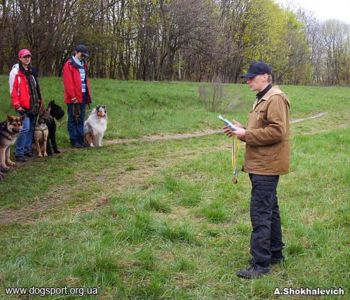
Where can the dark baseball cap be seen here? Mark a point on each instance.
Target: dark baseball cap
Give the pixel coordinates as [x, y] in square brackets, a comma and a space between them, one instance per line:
[83, 49]
[257, 68]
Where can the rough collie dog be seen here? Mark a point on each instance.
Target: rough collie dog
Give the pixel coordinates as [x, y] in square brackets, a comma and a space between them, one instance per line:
[9, 131]
[41, 133]
[95, 126]
[57, 113]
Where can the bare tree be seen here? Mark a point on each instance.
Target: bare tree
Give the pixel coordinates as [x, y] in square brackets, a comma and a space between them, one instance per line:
[176, 39]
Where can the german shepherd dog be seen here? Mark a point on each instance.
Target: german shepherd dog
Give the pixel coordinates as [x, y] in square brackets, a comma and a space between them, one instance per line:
[9, 131]
[57, 113]
[41, 133]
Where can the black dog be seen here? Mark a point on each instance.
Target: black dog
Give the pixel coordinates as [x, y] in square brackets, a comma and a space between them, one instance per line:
[57, 113]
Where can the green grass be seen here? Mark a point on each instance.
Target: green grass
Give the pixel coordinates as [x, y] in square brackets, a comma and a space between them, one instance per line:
[143, 108]
[161, 220]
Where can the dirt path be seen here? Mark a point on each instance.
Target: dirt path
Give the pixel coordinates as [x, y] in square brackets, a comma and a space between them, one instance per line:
[178, 136]
[164, 137]
[319, 115]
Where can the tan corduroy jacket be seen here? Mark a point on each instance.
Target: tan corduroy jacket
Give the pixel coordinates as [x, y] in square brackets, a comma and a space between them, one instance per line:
[267, 135]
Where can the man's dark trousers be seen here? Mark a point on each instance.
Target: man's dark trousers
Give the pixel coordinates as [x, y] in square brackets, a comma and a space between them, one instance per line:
[266, 239]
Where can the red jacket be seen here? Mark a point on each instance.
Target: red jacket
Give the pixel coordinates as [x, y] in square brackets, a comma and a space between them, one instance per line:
[19, 89]
[72, 83]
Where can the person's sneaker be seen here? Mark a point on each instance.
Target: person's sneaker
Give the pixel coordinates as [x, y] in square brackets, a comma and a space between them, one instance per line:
[77, 145]
[20, 159]
[253, 271]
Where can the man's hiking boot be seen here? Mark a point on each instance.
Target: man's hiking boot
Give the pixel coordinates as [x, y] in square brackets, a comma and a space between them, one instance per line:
[253, 271]
[277, 260]
[274, 260]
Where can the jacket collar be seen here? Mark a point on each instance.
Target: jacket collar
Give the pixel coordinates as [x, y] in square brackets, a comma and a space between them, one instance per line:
[273, 91]
[19, 70]
[263, 92]
[74, 64]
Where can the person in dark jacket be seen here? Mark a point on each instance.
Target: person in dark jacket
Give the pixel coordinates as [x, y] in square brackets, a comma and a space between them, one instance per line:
[26, 100]
[77, 94]
[266, 158]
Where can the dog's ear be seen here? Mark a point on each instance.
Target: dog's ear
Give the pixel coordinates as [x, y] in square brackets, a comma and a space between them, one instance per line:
[22, 117]
[9, 118]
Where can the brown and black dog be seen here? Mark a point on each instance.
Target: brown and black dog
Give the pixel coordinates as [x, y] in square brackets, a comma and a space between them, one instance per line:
[41, 133]
[9, 131]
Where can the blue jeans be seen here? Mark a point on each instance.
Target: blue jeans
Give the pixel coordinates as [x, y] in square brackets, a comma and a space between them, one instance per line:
[76, 126]
[25, 137]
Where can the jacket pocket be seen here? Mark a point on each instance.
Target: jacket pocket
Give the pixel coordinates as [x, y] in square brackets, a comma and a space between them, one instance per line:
[259, 114]
[269, 153]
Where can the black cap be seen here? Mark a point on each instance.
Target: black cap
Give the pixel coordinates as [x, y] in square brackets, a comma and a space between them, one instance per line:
[257, 68]
[83, 49]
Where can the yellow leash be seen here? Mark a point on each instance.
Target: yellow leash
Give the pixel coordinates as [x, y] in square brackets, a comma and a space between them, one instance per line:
[235, 151]
[235, 148]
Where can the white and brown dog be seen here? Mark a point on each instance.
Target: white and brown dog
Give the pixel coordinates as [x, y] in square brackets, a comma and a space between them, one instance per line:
[95, 126]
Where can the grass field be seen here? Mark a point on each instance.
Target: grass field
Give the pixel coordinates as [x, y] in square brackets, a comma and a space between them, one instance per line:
[161, 220]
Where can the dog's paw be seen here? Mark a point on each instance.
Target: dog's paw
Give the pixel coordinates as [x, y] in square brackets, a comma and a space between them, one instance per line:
[5, 168]
[40, 155]
[10, 163]
[45, 154]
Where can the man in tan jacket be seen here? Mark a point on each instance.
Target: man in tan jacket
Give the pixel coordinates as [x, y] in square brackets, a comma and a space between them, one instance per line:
[267, 156]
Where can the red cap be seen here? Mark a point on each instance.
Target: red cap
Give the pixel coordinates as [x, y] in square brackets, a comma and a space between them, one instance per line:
[23, 52]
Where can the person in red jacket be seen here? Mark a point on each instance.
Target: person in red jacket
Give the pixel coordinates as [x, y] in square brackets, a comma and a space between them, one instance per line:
[77, 94]
[26, 100]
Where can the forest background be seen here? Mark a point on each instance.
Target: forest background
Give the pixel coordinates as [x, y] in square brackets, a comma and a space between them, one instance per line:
[184, 40]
